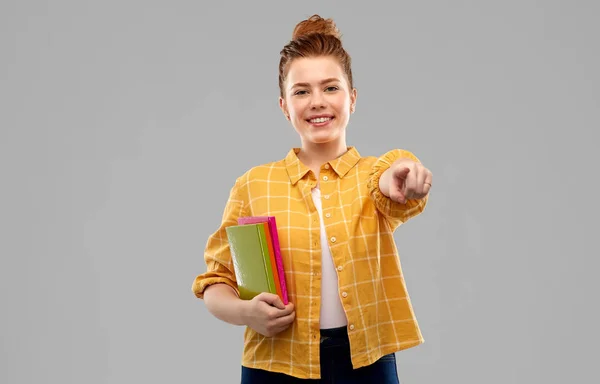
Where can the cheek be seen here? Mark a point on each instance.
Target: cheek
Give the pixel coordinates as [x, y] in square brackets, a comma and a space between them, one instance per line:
[297, 110]
[343, 107]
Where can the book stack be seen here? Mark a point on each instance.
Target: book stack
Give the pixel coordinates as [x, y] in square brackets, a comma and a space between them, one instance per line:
[256, 255]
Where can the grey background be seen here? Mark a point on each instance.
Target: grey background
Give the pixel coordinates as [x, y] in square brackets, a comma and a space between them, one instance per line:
[117, 115]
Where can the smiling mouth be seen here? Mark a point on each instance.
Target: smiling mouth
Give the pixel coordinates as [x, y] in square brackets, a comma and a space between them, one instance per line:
[320, 120]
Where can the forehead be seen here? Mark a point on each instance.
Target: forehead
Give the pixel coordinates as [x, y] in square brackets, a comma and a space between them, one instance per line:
[312, 70]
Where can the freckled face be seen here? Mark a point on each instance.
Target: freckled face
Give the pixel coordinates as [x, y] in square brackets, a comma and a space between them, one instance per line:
[317, 99]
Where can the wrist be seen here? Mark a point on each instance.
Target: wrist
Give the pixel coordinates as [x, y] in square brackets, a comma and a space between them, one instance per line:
[384, 183]
[242, 309]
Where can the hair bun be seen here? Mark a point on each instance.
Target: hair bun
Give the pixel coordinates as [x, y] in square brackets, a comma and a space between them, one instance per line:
[316, 24]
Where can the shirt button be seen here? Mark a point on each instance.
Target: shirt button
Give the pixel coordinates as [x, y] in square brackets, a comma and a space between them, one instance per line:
[328, 214]
[351, 327]
[325, 178]
[326, 166]
[326, 197]
[333, 239]
[340, 268]
[344, 294]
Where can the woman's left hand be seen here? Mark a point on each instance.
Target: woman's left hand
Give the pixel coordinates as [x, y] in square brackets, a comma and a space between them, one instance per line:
[409, 180]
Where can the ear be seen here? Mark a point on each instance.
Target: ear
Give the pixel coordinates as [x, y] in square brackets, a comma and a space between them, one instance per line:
[284, 109]
[353, 96]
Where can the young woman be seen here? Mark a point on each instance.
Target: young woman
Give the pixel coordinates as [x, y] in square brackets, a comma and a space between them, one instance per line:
[336, 213]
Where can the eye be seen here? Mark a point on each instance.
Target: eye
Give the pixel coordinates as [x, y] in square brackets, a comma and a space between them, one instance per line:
[332, 88]
[300, 92]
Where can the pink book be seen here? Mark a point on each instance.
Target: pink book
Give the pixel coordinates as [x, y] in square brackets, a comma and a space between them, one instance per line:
[270, 220]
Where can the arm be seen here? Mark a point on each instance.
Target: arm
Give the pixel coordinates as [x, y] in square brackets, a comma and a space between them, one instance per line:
[265, 313]
[223, 303]
[380, 178]
[219, 280]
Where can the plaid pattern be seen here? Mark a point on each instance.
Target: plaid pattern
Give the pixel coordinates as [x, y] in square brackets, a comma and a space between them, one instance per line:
[360, 222]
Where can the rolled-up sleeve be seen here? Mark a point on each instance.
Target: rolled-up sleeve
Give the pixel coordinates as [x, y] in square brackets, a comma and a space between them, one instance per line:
[217, 255]
[396, 213]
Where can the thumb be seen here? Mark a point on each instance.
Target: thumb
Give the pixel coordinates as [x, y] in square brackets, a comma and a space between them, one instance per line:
[272, 299]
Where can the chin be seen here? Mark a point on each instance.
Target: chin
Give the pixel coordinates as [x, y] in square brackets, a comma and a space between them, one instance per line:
[323, 139]
[323, 135]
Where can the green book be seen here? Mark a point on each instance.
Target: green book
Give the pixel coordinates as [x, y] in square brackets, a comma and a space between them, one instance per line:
[251, 259]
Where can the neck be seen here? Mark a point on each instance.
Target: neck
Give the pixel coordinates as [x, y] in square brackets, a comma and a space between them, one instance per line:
[313, 155]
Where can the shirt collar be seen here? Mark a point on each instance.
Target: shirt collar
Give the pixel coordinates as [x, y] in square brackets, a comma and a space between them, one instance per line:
[297, 170]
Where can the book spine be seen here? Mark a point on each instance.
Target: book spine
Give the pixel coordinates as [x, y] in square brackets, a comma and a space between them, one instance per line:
[279, 260]
[266, 259]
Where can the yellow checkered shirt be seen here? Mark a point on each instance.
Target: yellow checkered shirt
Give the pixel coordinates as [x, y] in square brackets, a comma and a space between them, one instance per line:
[360, 222]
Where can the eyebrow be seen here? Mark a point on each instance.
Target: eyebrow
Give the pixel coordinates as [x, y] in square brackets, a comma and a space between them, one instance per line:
[329, 80]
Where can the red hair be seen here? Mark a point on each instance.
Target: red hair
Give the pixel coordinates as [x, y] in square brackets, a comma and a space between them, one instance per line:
[314, 37]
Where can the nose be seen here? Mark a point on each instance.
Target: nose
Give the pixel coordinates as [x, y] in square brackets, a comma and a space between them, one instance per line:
[317, 100]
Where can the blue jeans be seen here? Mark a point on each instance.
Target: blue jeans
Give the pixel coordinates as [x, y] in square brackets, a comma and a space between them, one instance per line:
[336, 366]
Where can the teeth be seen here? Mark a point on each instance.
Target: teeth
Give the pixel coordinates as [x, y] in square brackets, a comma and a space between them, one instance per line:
[320, 120]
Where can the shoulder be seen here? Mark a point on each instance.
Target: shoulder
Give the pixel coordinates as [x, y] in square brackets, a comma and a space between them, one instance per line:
[262, 173]
[367, 161]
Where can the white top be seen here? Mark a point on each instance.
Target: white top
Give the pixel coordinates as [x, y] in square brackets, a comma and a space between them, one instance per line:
[332, 311]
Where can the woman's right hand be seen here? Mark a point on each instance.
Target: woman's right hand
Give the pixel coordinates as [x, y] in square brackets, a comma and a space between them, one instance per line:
[267, 315]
